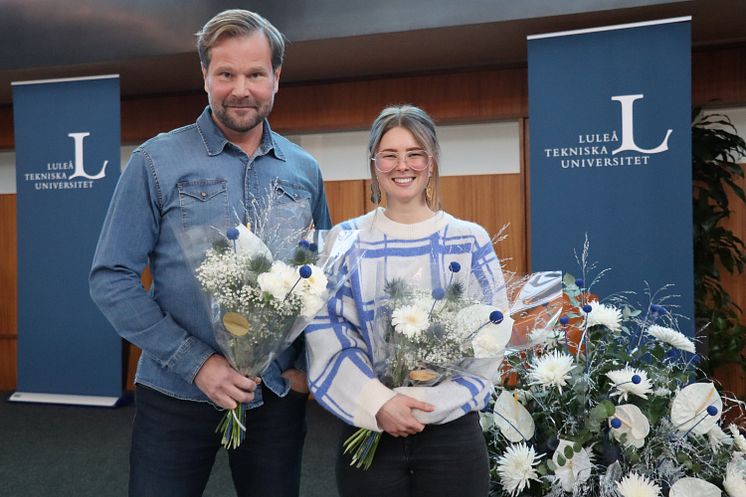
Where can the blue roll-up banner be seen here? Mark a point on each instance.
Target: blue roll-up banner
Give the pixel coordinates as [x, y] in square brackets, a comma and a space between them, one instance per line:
[67, 136]
[610, 117]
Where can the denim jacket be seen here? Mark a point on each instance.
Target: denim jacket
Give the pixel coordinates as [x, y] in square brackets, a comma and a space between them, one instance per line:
[176, 181]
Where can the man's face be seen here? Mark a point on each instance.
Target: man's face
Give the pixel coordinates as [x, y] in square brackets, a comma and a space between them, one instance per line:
[240, 82]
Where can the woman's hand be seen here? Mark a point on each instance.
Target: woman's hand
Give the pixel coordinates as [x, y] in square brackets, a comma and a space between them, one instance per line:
[395, 416]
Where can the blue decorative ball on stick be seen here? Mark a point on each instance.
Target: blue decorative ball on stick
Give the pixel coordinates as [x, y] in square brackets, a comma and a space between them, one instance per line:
[564, 320]
[616, 423]
[305, 271]
[438, 293]
[496, 317]
[454, 267]
[587, 308]
[636, 379]
[712, 410]
[580, 282]
[232, 233]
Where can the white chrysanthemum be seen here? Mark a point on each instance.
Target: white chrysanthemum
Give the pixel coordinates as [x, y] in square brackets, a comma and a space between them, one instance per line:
[311, 305]
[516, 468]
[410, 320]
[717, 437]
[739, 439]
[693, 487]
[735, 479]
[575, 470]
[622, 379]
[514, 420]
[634, 424]
[604, 315]
[552, 369]
[634, 485]
[278, 280]
[672, 338]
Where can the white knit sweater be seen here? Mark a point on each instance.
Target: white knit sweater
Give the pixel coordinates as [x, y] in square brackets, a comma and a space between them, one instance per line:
[341, 376]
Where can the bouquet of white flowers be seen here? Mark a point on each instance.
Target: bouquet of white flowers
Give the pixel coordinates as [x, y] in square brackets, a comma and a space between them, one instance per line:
[264, 286]
[610, 405]
[425, 336]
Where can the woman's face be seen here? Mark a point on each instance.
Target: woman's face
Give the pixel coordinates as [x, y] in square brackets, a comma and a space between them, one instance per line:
[404, 184]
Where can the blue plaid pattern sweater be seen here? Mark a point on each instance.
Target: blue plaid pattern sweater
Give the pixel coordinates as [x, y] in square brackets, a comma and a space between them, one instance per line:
[341, 375]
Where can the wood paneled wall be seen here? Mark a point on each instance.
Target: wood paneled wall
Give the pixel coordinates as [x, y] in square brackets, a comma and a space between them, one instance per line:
[8, 292]
[467, 96]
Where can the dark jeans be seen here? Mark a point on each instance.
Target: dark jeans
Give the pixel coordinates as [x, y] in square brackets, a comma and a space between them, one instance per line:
[174, 445]
[443, 460]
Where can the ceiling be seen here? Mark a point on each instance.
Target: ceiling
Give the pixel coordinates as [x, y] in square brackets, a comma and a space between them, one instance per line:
[175, 68]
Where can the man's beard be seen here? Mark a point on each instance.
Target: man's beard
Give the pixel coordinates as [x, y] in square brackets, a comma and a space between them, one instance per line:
[255, 115]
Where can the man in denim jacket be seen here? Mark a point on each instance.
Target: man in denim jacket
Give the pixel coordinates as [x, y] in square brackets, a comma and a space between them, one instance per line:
[200, 174]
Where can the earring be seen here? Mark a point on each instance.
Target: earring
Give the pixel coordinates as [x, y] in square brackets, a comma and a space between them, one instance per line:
[375, 192]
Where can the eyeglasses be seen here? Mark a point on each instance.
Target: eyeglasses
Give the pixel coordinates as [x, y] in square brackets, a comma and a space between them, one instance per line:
[386, 161]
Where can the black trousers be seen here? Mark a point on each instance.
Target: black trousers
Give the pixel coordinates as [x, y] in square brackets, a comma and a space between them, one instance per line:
[447, 460]
[174, 445]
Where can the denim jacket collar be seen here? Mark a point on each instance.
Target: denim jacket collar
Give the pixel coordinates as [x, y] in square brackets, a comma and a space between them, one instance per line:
[215, 141]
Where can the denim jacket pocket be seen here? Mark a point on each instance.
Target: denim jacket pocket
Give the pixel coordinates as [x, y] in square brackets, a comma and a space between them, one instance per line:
[292, 209]
[203, 202]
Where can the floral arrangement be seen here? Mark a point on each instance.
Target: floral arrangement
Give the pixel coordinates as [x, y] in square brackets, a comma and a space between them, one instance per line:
[261, 298]
[428, 336]
[609, 404]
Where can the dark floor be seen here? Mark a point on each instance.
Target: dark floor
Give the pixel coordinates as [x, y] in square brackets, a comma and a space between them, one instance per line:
[60, 451]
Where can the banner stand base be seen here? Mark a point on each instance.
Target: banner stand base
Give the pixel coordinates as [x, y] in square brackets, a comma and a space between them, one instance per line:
[75, 400]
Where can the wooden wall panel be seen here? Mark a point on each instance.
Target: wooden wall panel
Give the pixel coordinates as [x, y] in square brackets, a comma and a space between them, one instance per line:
[346, 199]
[732, 376]
[8, 267]
[719, 76]
[8, 364]
[491, 201]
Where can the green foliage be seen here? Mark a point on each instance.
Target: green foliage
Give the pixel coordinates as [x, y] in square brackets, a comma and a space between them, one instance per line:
[716, 148]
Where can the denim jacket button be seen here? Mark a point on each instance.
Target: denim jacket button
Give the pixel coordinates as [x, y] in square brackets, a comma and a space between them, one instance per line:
[203, 194]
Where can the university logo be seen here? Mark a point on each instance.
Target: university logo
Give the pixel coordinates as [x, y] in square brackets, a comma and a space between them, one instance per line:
[79, 166]
[628, 132]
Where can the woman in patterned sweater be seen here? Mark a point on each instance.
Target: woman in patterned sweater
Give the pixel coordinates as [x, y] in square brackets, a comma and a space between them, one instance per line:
[432, 443]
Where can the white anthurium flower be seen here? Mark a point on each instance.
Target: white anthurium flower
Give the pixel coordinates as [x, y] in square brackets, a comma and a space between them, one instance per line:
[516, 468]
[410, 320]
[694, 487]
[278, 280]
[633, 423]
[249, 243]
[672, 338]
[604, 315]
[634, 485]
[491, 339]
[696, 408]
[735, 476]
[541, 336]
[575, 470]
[514, 421]
[630, 381]
[471, 318]
[316, 283]
[739, 439]
[551, 369]
[717, 437]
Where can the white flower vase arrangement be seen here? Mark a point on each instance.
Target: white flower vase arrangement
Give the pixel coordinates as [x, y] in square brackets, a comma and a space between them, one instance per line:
[612, 407]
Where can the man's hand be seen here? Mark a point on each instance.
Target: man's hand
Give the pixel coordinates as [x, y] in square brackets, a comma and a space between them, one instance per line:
[224, 385]
[297, 379]
[395, 416]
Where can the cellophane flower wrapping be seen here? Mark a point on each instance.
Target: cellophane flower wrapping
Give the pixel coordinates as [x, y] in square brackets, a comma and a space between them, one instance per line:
[263, 284]
[438, 323]
[611, 403]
